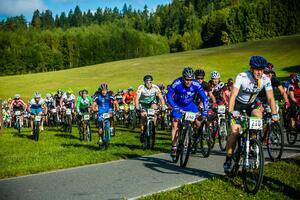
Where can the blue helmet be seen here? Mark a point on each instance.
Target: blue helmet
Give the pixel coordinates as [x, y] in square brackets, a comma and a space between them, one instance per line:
[258, 62]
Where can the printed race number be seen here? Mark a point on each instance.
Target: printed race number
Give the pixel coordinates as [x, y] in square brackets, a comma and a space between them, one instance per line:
[255, 123]
[190, 116]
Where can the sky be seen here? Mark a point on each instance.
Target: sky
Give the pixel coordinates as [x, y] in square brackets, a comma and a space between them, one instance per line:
[10, 8]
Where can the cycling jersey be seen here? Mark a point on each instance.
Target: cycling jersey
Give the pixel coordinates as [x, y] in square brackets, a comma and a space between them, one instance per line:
[294, 88]
[148, 96]
[250, 87]
[49, 103]
[119, 98]
[217, 90]
[68, 101]
[17, 104]
[262, 94]
[181, 97]
[56, 99]
[129, 97]
[82, 104]
[104, 103]
[36, 107]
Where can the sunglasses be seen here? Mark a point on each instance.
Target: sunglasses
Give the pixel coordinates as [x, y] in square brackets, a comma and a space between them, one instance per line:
[200, 78]
[148, 82]
[188, 80]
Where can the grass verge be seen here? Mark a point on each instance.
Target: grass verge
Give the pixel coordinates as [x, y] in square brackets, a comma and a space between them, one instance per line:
[281, 181]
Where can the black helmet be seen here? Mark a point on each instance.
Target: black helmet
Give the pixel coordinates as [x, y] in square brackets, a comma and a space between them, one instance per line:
[148, 78]
[258, 62]
[188, 73]
[103, 86]
[84, 91]
[199, 72]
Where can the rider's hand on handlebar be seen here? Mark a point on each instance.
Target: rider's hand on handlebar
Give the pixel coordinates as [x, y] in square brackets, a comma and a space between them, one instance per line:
[275, 117]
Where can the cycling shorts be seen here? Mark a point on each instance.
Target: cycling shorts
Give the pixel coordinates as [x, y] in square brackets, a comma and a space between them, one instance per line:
[176, 114]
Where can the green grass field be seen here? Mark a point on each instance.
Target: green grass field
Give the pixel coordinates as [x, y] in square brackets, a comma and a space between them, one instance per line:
[281, 181]
[20, 155]
[283, 52]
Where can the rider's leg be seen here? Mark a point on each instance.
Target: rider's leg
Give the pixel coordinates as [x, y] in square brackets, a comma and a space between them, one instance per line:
[155, 107]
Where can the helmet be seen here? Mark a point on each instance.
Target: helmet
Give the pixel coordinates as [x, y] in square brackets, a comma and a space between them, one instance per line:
[215, 74]
[17, 96]
[120, 91]
[130, 89]
[199, 72]
[230, 82]
[37, 95]
[188, 72]
[269, 68]
[103, 86]
[297, 78]
[59, 91]
[148, 78]
[258, 62]
[48, 95]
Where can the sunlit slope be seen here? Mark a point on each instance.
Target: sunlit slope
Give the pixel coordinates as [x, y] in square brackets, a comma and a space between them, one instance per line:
[283, 52]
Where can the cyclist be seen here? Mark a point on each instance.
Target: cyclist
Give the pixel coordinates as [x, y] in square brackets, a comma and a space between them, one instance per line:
[105, 105]
[146, 98]
[49, 103]
[227, 90]
[37, 106]
[217, 86]
[181, 96]
[270, 72]
[128, 98]
[56, 100]
[243, 97]
[294, 94]
[68, 101]
[289, 82]
[199, 76]
[18, 104]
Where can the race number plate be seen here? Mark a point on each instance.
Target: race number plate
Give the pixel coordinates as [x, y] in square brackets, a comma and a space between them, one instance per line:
[255, 123]
[221, 109]
[121, 107]
[37, 118]
[131, 107]
[86, 117]
[151, 111]
[68, 112]
[17, 112]
[190, 116]
[106, 115]
[53, 110]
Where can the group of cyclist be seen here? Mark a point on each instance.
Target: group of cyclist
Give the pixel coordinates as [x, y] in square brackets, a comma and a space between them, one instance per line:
[190, 93]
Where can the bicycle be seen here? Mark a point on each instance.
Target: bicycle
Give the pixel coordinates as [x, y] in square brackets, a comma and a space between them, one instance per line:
[149, 132]
[249, 154]
[67, 116]
[36, 127]
[272, 136]
[18, 120]
[220, 128]
[292, 135]
[84, 127]
[105, 118]
[132, 121]
[184, 138]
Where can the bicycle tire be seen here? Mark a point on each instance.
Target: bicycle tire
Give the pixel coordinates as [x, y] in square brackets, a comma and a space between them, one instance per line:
[223, 135]
[275, 136]
[185, 152]
[205, 136]
[36, 131]
[252, 175]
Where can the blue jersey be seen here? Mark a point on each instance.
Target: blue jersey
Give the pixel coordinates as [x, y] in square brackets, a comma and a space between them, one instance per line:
[103, 102]
[181, 96]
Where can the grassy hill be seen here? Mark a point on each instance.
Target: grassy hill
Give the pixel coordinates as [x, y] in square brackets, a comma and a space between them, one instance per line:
[283, 52]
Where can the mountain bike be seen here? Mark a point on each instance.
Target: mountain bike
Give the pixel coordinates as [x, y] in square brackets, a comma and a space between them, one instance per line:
[105, 119]
[185, 133]
[36, 127]
[149, 132]
[249, 154]
[85, 130]
[132, 119]
[18, 120]
[67, 116]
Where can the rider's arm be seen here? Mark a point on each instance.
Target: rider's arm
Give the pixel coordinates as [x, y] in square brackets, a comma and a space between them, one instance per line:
[24, 104]
[212, 97]
[233, 95]
[61, 101]
[123, 99]
[271, 101]
[203, 98]
[283, 93]
[292, 96]
[162, 101]
[138, 95]
[170, 95]
[78, 104]
[94, 106]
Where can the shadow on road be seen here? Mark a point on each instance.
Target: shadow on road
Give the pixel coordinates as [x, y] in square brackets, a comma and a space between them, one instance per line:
[167, 167]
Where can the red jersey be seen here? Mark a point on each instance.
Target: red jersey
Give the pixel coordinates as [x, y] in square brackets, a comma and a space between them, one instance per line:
[129, 97]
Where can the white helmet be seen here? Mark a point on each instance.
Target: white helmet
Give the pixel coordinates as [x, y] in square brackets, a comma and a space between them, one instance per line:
[215, 74]
[37, 95]
[48, 95]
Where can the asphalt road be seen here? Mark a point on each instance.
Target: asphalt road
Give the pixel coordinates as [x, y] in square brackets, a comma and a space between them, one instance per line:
[122, 179]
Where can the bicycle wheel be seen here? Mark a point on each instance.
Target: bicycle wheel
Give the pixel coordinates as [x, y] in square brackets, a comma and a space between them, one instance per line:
[69, 122]
[253, 168]
[275, 142]
[205, 139]
[179, 146]
[186, 146]
[107, 136]
[132, 120]
[223, 134]
[81, 130]
[148, 137]
[88, 132]
[18, 125]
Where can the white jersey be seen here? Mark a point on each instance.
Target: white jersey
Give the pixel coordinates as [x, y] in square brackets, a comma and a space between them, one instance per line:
[34, 104]
[146, 95]
[250, 87]
[68, 99]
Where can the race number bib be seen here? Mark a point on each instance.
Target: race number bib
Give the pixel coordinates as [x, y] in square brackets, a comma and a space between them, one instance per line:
[37, 118]
[86, 117]
[106, 115]
[131, 107]
[17, 112]
[151, 111]
[53, 110]
[68, 111]
[121, 107]
[255, 123]
[221, 109]
[190, 116]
